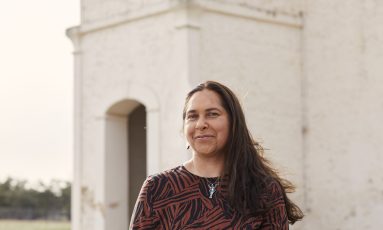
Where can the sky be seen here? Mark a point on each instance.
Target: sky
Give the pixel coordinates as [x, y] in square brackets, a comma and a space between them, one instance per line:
[36, 89]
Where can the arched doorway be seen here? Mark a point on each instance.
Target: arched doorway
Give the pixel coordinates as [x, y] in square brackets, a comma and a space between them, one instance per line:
[125, 160]
[136, 153]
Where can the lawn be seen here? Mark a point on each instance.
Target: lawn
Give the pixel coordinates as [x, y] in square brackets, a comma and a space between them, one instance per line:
[33, 225]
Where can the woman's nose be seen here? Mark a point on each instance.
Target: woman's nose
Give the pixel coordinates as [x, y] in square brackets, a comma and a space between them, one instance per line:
[201, 124]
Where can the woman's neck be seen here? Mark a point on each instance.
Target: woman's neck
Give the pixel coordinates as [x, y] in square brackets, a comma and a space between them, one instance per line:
[205, 167]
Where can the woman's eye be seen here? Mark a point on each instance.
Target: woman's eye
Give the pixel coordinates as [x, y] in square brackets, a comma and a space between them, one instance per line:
[212, 114]
[191, 117]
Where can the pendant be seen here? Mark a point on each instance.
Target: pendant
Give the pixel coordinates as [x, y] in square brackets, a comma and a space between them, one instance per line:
[212, 189]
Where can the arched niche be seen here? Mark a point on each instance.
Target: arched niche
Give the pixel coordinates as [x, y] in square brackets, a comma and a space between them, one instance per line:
[125, 159]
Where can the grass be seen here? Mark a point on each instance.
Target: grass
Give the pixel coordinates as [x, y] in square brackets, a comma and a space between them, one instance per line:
[33, 225]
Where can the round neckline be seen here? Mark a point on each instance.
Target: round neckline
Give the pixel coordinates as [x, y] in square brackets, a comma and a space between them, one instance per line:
[195, 175]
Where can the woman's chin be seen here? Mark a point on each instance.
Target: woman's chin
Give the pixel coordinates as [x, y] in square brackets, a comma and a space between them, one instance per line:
[205, 151]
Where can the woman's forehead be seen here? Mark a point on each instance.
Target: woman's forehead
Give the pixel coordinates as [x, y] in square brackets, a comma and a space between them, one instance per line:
[205, 99]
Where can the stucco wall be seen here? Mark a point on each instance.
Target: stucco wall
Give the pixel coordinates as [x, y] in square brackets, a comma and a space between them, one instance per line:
[343, 107]
[93, 11]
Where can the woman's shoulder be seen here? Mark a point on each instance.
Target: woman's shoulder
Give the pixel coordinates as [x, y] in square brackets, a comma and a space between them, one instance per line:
[274, 192]
[166, 174]
[178, 174]
[174, 180]
[275, 187]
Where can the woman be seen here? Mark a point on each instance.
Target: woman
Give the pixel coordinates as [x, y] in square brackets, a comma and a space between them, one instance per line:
[227, 184]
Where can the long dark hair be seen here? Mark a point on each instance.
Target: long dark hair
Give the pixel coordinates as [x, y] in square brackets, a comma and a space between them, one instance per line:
[248, 172]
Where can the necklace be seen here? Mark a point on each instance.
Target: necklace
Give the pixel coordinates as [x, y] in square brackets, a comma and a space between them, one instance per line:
[212, 187]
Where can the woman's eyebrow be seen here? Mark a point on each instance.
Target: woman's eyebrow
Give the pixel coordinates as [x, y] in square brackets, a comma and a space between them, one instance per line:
[191, 111]
[207, 110]
[211, 109]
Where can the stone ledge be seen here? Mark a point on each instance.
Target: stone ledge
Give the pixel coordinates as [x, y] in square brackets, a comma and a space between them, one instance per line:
[289, 19]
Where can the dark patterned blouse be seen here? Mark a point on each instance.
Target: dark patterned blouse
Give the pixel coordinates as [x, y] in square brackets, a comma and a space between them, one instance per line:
[178, 199]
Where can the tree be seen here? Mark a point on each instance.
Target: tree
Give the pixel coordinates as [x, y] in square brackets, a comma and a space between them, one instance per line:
[17, 201]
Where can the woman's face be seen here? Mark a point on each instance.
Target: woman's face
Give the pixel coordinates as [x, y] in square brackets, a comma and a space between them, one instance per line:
[206, 124]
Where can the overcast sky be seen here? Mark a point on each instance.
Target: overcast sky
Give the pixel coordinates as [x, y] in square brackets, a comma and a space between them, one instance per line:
[36, 89]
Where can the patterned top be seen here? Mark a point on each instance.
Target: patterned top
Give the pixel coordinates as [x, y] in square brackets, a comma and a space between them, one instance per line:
[178, 199]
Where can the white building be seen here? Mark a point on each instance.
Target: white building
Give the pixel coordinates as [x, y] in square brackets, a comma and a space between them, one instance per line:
[309, 74]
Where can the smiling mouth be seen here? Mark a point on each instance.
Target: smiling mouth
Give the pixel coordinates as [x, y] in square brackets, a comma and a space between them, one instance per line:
[202, 137]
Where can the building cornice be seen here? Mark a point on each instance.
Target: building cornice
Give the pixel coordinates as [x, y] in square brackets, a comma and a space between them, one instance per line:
[283, 18]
